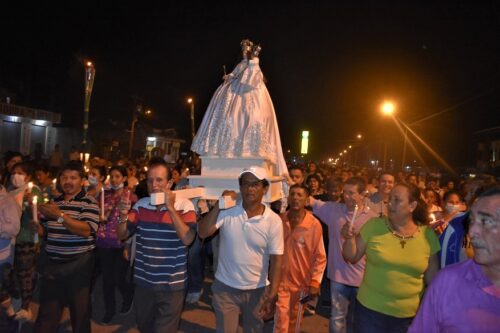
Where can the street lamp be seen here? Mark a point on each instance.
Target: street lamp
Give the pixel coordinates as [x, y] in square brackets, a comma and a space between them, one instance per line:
[89, 83]
[135, 118]
[387, 108]
[191, 103]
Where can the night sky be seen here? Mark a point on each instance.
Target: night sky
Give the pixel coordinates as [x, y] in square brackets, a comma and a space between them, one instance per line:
[327, 66]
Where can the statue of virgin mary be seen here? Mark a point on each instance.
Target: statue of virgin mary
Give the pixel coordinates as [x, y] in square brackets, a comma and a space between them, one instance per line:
[240, 119]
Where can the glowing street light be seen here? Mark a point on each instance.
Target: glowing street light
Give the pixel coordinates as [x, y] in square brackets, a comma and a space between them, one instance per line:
[388, 108]
[359, 136]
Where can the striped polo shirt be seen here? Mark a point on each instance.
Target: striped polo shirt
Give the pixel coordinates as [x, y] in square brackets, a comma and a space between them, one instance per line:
[62, 244]
[161, 257]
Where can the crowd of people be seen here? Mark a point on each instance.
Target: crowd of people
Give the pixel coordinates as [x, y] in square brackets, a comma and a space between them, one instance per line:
[385, 241]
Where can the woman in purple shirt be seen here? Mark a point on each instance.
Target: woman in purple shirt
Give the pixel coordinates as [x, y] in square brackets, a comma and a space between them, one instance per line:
[110, 248]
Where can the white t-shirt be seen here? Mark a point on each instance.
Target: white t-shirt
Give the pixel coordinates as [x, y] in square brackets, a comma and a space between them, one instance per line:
[245, 246]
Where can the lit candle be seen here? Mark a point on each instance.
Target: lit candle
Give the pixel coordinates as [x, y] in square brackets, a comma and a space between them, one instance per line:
[102, 203]
[54, 181]
[351, 223]
[34, 208]
[81, 157]
[433, 218]
[87, 156]
[107, 180]
[30, 186]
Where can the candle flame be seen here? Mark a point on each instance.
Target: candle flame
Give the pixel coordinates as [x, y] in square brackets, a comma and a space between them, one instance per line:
[35, 200]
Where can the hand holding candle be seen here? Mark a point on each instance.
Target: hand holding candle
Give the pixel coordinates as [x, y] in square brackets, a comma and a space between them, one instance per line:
[351, 223]
[102, 203]
[34, 208]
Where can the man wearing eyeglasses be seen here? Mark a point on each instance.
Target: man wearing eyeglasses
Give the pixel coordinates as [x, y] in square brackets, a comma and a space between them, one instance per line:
[465, 297]
[251, 245]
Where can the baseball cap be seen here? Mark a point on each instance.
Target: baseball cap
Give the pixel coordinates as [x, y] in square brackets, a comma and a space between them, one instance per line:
[257, 171]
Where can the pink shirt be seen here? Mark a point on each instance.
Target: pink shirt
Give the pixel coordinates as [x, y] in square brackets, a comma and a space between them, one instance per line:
[335, 215]
[461, 298]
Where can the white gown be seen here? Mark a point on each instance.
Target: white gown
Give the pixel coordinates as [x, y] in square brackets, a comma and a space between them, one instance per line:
[240, 119]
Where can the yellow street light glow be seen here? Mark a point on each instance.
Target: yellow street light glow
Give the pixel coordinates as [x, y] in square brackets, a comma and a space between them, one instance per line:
[148, 112]
[350, 147]
[345, 151]
[341, 154]
[388, 108]
[359, 136]
[190, 100]
[89, 64]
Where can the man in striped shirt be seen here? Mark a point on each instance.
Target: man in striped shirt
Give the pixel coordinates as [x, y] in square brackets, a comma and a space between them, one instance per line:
[70, 224]
[164, 229]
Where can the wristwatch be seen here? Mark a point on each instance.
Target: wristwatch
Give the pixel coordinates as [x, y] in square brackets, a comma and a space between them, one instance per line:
[60, 219]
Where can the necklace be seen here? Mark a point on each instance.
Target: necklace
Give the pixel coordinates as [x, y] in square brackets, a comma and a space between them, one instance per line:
[402, 237]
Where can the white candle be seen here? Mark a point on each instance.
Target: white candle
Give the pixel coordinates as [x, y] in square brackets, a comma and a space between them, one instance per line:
[107, 180]
[30, 186]
[87, 156]
[34, 208]
[102, 203]
[351, 223]
[54, 181]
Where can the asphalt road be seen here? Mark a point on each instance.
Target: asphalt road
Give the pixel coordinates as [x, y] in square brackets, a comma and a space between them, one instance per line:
[197, 318]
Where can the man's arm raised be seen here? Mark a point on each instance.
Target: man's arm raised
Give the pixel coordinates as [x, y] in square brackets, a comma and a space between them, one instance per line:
[207, 226]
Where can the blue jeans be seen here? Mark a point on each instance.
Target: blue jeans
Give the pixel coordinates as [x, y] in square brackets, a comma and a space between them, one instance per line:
[370, 321]
[198, 251]
[343, 302]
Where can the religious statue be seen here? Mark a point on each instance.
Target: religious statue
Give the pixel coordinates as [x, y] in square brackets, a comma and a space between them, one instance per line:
[240, 120]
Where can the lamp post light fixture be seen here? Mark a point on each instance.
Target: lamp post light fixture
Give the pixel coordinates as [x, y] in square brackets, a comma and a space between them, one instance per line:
[388, 108]
[191, 103]
[89, 84]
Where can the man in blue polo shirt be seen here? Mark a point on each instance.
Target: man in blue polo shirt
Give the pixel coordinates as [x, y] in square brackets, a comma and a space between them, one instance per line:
[164, 230]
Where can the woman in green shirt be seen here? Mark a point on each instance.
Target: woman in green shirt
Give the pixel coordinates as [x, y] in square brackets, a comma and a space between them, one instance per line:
[401, 260]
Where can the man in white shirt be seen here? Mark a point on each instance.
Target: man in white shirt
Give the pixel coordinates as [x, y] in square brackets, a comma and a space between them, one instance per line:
[251, 242]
